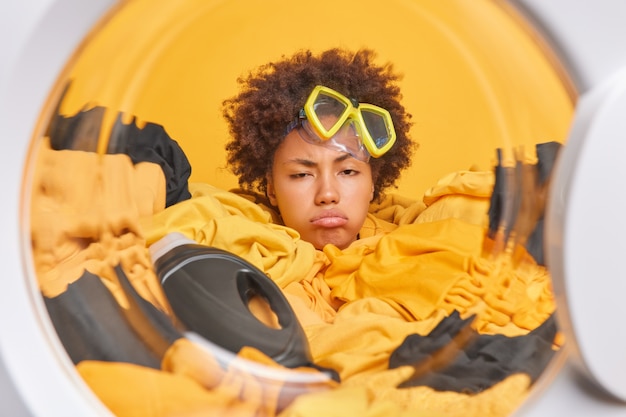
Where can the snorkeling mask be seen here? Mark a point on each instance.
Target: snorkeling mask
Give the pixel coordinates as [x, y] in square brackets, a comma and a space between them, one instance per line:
[330, 119]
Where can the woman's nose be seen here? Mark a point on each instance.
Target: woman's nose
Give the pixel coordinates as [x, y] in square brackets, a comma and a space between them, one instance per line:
[327, 191]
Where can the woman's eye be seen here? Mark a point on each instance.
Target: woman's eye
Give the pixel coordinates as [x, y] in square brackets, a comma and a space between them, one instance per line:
[298, 175]
[349, 172]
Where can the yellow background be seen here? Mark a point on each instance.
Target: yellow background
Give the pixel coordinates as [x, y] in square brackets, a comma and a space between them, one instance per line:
[474, 78]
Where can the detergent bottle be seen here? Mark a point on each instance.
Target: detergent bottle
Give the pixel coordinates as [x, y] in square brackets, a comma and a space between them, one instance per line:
[210, 291]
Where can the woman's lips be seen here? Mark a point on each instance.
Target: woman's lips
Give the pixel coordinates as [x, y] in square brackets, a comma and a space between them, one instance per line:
[329, 219]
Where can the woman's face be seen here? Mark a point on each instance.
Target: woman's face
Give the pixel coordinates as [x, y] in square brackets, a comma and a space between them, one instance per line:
[322, 193]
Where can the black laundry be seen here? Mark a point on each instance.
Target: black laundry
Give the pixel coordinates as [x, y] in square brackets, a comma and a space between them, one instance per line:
[546, 158]
[510, 208]
[150, 143]
[484, 360]
[80, 132]
[417, 348]
[92, 326]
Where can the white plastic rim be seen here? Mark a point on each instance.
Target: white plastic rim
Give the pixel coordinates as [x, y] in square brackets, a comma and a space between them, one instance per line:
[36, 378]
[583, 33]
[37, 37]
[586, 231]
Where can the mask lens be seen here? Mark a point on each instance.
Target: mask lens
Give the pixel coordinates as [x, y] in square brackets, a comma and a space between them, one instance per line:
[328, 110]
[345, 140]
[377, 127]
[349, 140]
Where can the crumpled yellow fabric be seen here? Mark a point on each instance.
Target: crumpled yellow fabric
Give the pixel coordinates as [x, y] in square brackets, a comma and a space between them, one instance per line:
[92, 221]
[445, 254]
[354, 401]
[461, 195]
[363, 336]
[225, 220]
[476, 184]
[404, 280]
[85, 213]
[411, 268]
[501, 400]
[422, 267]
[193, 383]
[416, 261]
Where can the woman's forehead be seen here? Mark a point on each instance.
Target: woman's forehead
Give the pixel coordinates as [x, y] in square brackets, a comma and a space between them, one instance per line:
[294, 148]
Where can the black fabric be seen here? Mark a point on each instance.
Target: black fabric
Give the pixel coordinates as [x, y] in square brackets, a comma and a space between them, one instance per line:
[92, 326]
[417, 348]
[547, 154]
[534, 245]
[154, 327]
[510, 206]
[484, 361]
[80, 132]
[504, 204]
[330, 372]
[150, 143]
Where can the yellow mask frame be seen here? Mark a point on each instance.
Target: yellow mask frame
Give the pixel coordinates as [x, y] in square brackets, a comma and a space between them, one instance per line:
[373, 124]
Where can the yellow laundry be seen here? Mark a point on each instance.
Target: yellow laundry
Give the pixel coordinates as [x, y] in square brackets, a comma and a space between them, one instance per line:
[415, 263]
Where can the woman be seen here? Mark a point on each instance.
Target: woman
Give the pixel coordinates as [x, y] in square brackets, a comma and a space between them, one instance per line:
[321, 136]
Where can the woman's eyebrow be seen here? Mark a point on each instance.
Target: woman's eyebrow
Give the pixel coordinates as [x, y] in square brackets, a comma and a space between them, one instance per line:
[310, 164]
[301, 161]
[343, 157]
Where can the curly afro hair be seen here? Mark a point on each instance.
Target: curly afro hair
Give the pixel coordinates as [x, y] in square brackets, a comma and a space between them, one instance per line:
[271, 97]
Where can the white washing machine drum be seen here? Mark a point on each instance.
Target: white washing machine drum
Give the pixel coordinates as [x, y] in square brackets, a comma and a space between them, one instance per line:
[137, 289]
